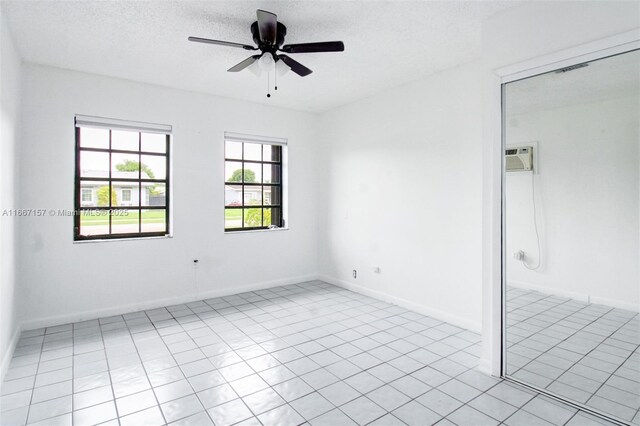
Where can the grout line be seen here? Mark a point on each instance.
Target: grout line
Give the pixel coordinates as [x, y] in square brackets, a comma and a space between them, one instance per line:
[294, 301]
[106, 357]
[35, 377]
[583, 355]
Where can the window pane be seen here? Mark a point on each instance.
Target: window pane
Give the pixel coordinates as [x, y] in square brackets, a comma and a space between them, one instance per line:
[94, 138]
[154, 194]
[243, 188]
[272, 153]
[154, 221]
[271, 173]
[233, 218]
[118, 183]
[233, 150]
[125, 166]
[272, 195]
[121, 139]
[125, 193]
[154, 166]
[252, 151]
[266, 217]
[233, 195]
[233, 171]
[94, 164]
[252, 173]
[94, 222]
[252, 195]
[154, 142]
[124, 221]
[99, 193]
[252, 218]
[92, 196]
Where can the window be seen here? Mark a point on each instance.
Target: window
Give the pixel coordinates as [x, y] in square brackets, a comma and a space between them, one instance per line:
[87, 195]
[126, 194]
[254, 197]
[121, 180]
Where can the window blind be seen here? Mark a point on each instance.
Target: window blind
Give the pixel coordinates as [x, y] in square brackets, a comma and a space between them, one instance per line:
[239, 137]
[114, 123]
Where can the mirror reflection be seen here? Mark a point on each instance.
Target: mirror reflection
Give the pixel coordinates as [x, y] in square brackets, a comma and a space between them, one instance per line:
[572, 231]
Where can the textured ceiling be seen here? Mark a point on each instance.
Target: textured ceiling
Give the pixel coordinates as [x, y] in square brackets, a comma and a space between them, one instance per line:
[608, 78]
[387, 43]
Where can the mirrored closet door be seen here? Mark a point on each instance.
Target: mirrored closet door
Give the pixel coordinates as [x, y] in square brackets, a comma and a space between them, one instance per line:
[571, 234]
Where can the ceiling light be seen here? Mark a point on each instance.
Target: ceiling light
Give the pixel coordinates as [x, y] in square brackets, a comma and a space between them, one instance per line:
[266, 62]
[282, 68]
[255, 69]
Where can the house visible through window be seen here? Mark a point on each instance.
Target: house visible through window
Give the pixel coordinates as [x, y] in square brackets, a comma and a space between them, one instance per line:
[253, 182]
[122, 179]
[87, 195]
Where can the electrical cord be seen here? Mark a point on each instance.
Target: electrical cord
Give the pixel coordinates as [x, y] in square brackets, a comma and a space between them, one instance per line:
[535, 224]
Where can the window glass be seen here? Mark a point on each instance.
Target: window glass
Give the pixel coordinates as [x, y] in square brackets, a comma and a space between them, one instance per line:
[94, 138]
[125, 140]
[121, 194]
[153, 142]
[253, 186]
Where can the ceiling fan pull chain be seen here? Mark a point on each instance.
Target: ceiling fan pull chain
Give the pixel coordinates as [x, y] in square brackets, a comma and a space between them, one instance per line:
[268, 80]
[275, 76]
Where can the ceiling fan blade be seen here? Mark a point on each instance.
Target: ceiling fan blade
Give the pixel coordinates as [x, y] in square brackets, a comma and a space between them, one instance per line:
[295, 66]
[323, 46]
[222, 43]
[244, 64]
[267, 26]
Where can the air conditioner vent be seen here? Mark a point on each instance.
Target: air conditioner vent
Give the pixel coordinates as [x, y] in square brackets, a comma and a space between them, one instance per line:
[519, 159]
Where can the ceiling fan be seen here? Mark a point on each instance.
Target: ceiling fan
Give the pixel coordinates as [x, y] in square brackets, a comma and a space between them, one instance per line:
[269, 35]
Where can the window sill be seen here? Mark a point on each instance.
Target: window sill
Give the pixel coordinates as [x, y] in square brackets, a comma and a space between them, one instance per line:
[255, 230]
[109, 240]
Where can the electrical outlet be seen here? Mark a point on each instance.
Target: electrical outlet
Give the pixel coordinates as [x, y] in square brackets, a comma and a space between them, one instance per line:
[355, 274]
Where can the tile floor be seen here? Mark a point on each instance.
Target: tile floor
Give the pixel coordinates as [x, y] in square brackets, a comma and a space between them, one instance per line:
[309, 353]
[586, 352]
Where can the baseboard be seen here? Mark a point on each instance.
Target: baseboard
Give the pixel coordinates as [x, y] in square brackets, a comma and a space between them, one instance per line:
[159, 303]
[581, 297]
[407, 304]
[8, 354]
[627, 306]
[484, 366]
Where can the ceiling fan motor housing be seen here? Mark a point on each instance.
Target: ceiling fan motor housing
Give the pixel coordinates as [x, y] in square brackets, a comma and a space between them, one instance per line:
[281, 32]
[269, 34]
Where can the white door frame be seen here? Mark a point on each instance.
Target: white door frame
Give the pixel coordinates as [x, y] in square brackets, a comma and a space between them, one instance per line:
[493, 198]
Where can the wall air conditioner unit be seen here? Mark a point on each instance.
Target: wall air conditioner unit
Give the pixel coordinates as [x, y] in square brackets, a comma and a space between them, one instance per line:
[519, 159]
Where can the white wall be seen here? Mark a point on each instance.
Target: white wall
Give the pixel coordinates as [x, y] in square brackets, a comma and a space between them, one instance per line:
[586, 202]
[403, 192]
[10, 83]
[520, 34]
[64, 281]
[376, 156]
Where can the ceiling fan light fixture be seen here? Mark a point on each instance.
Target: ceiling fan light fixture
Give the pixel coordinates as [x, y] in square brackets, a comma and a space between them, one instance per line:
[266, 62]
[255, 69]
[282, 68]
[268, 35]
